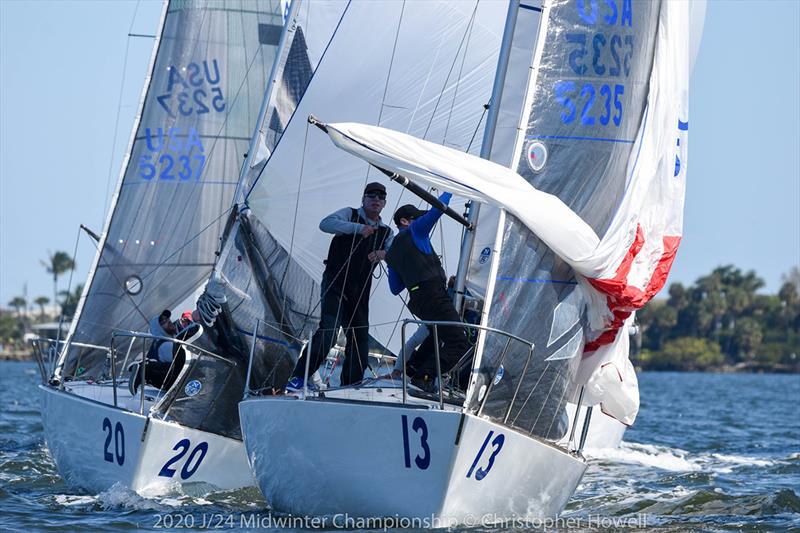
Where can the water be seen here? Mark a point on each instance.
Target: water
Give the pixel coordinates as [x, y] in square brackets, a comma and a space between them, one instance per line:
[710, 452]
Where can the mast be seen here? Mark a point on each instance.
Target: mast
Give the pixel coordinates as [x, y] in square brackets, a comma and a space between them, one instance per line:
[464, 259]
[294, 6]
[473, 208]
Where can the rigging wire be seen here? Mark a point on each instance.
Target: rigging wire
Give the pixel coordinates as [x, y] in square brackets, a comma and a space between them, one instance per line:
[119, 105]
[467, 33]
[294, 223]
[69, 287]
[459, 77]
[466, 37]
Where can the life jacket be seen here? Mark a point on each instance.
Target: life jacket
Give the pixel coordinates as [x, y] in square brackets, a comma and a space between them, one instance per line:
[411, 264]
[155, 348]
[354, 278]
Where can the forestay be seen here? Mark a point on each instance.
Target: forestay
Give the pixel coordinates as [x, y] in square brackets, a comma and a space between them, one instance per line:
[592, 215]
[420, 67]
[207, 78]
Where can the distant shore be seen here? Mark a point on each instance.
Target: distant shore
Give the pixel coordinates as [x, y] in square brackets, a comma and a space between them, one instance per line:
[20, 355]
[738, 368]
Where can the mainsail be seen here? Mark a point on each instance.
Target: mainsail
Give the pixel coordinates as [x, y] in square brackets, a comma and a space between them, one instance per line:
[425, 68]
[207, 78]
[589, 222]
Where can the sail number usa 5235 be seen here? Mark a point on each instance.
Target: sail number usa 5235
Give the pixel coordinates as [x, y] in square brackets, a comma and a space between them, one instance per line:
[604, 51]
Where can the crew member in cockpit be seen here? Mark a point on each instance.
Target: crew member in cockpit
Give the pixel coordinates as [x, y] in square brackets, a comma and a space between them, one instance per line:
[165, 359]
[360, 242]
[414, 265]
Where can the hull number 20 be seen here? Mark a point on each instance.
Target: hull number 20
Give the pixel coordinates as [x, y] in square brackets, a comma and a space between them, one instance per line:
[192, 462]
[116, 434]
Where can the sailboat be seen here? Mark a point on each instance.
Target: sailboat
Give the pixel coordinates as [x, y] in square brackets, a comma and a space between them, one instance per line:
[207, 76]
[588, 193]
[270, 287]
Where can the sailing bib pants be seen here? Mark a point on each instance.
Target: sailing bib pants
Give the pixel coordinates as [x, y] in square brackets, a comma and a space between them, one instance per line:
[429, 301]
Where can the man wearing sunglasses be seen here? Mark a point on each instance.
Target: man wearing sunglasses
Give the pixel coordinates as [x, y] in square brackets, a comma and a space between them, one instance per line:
[360, 242]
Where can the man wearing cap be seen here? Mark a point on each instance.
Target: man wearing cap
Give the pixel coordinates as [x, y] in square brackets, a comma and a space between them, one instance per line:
[360, 242]
[165, 358]
[413, 264]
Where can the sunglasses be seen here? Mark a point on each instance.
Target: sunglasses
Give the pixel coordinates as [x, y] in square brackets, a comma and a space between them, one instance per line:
[378, 195]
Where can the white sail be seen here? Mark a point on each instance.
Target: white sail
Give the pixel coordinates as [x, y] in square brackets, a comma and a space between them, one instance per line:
[207, 79]
[427, 68]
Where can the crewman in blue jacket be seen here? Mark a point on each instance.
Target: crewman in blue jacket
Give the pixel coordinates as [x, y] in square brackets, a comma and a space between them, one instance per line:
[414, 265]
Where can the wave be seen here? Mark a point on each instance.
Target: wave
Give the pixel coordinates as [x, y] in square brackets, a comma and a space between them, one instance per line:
[663, 457]
[186, 498]
[676, 459]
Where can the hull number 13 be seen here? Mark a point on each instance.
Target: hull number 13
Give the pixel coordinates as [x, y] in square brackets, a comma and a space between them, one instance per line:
[497, 445]
[420, 428]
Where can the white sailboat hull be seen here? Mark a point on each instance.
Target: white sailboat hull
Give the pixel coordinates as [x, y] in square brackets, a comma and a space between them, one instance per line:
[96, 446]
[365, 460]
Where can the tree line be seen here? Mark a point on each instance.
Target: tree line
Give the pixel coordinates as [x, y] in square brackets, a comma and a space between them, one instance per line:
[722, 322]
[13, 327]
[719, 322]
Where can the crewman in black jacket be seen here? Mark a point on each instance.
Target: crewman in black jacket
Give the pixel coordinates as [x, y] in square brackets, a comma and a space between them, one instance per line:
[360, 241]
[414, 265]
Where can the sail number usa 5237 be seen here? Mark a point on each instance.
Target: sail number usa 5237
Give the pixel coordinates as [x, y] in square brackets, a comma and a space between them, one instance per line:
[193, 89]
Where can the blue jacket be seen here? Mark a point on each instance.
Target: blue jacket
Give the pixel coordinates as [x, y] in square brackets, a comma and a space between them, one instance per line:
[420, 229]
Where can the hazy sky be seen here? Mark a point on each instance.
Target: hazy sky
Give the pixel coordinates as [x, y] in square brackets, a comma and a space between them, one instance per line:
[61, 73]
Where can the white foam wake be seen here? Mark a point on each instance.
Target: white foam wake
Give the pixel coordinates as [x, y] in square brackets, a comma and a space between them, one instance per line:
[675, 459]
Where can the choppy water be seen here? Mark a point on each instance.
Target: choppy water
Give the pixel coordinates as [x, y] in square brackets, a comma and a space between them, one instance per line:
[709, 452]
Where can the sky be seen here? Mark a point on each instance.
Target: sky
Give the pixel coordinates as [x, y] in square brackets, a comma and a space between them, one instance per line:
[71, 79]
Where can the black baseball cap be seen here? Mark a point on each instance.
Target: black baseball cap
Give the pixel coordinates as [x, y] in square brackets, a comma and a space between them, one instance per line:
[375, 187]
[407, 211]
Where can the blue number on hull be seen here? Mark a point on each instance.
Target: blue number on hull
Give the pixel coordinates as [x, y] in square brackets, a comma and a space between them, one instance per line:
[107, 455]
[118, 434]
[420, 428]
[497, 445]
[182, 446]
[186, 471]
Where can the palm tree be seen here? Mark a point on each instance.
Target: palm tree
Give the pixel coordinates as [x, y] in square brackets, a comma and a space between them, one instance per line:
[41, 301]
[57, 264]
[18, 303]
[70, 302]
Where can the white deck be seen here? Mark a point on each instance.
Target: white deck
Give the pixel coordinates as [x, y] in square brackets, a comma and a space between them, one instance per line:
[103, 392]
